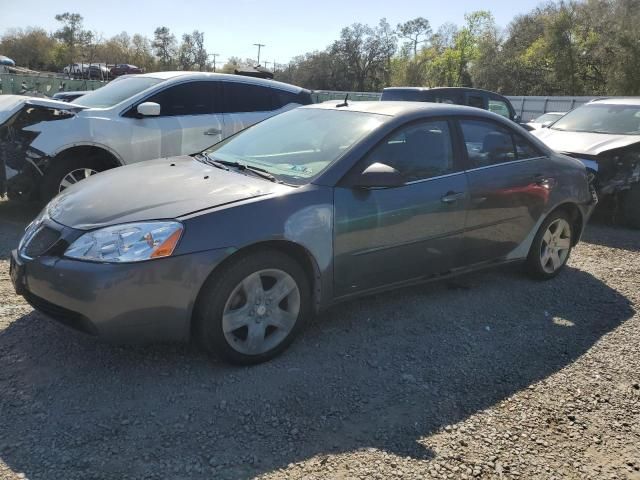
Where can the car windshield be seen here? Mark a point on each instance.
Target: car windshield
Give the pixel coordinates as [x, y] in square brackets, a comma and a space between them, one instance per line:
[548, 117]
[602, 118]
[116, 91]
[298, 145]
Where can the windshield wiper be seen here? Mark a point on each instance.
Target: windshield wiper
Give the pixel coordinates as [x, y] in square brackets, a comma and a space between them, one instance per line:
[203, 157]
[261, 172]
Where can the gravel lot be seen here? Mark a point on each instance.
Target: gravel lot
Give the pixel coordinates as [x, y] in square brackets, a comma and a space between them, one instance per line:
[491, 376]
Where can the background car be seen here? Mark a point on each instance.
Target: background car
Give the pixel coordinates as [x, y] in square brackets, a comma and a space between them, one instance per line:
[544, 120]
[96, 72]
[605, 135]
[124, 69]
[318, 205]
[473, 97]
[132, 118]
[68, 96]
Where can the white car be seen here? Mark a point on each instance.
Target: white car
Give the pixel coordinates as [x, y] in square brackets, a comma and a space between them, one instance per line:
[47, 145]
[545, 120]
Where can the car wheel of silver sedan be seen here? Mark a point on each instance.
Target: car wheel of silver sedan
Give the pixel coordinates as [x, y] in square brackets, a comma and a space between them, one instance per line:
[250, 311]
[551, 246]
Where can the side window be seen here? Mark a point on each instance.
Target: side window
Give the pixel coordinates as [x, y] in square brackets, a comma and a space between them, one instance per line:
[487, 143]
[525, 149]
[499, 107]
[244, 97]
[191, 98]
[418, 151]
[283, 98]
[475, 101]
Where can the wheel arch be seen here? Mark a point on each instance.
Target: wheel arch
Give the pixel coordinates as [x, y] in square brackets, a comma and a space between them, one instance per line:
[576, 216]
[108, 155]
[296, 251]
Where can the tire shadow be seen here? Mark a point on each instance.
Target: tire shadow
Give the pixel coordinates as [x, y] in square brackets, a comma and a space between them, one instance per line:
[381, 372]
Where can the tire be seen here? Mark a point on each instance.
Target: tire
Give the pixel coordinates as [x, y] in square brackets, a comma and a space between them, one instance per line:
[61, 167]
[231, 298]
[631, 207]
[546, 260]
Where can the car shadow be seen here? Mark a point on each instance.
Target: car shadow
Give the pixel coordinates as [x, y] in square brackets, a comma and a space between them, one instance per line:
[608, 236]
[381, 372]
[14, 217]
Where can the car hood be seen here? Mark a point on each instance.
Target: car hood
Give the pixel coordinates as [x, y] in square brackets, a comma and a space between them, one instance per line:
[10, 104]
[583, 142]
[158, 189]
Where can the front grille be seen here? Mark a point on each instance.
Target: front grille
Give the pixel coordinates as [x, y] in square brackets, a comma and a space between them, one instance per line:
[63, 315]
[42, 241]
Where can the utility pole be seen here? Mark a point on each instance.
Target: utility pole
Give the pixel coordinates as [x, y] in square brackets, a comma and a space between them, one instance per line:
[259, 45]
[214, 55]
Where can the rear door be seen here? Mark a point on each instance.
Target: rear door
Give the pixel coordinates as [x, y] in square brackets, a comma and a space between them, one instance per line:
[190, 121]
[390, 235]
[509, 187]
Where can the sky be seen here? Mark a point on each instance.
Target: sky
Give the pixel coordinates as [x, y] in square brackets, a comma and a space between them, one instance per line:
[287, 27]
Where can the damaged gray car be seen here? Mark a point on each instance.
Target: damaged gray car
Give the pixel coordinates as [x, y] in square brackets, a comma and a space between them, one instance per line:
[605, 135]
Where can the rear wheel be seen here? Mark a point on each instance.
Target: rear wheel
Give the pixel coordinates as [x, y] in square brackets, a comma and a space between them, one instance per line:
[551, 246]
[66, 172]
[251, 311]
[631, 206]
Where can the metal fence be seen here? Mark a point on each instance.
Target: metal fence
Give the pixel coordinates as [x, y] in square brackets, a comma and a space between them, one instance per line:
[531, 107]
[11, 83]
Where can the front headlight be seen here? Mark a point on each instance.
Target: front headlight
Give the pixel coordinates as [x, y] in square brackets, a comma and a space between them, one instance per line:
[130, 242]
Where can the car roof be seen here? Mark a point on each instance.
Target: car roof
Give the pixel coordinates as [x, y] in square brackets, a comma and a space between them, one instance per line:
[617, 101]
[178, 76]
[398, 109]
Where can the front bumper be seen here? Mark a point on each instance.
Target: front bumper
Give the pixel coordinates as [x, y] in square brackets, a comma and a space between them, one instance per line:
[125, 303]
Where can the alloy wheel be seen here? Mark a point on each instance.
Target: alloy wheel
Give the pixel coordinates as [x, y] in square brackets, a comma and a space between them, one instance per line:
[261, 311]
[556, 244]
[74, 177]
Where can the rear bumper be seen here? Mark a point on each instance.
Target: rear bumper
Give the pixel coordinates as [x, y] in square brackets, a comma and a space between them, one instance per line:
[125, 303]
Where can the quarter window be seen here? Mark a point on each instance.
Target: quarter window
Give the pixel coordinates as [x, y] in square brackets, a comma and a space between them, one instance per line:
[487, 143]
[418, 151]
[525, 149]
[499, 107]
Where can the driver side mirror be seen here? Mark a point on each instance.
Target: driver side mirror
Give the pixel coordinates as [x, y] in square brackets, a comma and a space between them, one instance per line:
[148, 109]
[379, 175]
[516, 118]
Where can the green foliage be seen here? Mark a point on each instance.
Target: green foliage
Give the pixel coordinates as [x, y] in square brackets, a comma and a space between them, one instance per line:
[563, 47]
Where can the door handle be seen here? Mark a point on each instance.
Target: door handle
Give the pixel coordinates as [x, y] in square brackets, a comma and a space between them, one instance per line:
[451, 197]
[544, 181]
[213, 131]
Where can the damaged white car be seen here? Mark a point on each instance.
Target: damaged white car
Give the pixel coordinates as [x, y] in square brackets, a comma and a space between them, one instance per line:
[46, 145]
[605, 135]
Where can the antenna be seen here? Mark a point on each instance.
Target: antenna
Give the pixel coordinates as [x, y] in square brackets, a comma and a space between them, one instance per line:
[345, 103]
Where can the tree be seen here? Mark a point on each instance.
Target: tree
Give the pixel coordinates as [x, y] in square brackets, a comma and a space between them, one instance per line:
[33, 48]
[71, 33]
[164, 44]
[200, 56]
[415, 31]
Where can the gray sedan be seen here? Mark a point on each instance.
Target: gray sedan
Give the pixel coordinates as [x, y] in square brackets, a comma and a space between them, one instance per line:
[238, 246]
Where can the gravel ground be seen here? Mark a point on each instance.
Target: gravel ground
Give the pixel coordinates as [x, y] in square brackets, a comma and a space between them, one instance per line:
[491, 376]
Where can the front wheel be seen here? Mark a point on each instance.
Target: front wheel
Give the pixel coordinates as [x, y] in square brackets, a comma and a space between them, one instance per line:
[551, 246]
[65, 172]
[250, 311]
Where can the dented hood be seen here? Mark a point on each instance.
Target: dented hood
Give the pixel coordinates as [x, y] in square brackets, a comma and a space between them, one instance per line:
[151, 190]
[584, 143]
[10, 104]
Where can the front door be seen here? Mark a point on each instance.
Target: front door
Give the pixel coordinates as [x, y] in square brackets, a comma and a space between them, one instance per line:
[509, 189]
[188, 122]
[387, 236]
